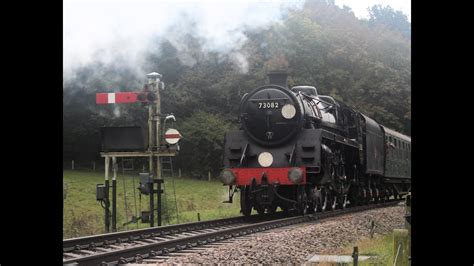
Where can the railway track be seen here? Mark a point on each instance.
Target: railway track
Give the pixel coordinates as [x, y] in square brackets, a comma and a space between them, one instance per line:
[145, 244]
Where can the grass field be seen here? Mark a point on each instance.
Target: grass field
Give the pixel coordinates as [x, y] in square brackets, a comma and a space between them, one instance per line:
[380, 247]
[83, 215]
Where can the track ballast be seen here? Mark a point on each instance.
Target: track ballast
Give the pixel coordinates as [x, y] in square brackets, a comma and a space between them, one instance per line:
[136, 245]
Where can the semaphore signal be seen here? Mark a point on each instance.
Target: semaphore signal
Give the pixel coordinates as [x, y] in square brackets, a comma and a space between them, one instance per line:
[150, 97]
[125, 97]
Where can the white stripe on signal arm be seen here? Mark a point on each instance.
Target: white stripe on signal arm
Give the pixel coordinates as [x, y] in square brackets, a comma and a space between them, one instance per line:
[110, 97]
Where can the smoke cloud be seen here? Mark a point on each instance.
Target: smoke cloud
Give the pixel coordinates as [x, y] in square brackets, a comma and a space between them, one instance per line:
[120, 32]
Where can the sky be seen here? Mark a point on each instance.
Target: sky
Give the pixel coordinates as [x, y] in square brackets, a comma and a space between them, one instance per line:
[359, 7]
[101, 30]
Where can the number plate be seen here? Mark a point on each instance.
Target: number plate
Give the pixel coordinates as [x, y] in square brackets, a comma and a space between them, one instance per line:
[268, 105]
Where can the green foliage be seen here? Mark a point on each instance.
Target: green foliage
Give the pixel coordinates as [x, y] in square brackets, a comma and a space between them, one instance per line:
[202, 144]
[366, 64]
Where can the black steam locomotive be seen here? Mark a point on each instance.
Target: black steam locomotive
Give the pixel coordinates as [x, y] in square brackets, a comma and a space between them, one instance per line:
[302, 151]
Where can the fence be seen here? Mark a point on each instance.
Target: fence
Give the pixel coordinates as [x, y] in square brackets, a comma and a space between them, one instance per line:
[134, 165]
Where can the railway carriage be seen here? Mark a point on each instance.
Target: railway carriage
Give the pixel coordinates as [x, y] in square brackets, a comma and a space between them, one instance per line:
[306, 152]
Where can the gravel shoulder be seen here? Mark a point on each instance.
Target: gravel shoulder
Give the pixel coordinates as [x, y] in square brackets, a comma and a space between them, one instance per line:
[294, 244]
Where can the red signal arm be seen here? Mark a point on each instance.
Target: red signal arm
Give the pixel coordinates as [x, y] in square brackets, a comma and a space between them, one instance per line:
[116, 97]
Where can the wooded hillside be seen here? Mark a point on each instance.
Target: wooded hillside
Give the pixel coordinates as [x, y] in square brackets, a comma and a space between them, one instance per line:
[365, 63]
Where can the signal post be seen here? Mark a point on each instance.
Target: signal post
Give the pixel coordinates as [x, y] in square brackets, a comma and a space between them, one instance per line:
[150, 96]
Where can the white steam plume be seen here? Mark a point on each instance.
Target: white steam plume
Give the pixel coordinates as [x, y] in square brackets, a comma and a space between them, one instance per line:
[104, 30]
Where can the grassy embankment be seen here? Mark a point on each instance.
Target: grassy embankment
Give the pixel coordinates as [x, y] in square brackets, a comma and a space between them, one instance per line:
[83, 215]
[381, 248]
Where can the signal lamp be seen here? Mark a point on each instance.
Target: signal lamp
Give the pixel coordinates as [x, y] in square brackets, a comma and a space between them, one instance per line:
[288, 111]
[265, 159]
[295, 175]
[227, 177]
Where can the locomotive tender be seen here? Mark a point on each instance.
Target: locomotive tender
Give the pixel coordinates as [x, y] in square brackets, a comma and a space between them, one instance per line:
[302, 151]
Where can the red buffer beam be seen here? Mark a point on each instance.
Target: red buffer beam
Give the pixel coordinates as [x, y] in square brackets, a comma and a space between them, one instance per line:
[116, 97]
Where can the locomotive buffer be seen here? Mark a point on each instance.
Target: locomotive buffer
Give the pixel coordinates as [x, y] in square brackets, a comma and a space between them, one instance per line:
[149, 97]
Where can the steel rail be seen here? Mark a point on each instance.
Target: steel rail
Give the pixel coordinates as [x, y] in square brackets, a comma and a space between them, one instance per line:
[86, 242]
[148, 250]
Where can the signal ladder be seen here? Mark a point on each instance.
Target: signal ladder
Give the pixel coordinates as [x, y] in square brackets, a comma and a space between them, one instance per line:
[170, 204]
[128, 167]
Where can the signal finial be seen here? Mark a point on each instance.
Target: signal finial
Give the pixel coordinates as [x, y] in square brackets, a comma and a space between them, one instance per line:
[153, 77]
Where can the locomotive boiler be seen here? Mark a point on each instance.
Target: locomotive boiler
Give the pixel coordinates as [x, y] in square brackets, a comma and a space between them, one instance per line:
[306, 152]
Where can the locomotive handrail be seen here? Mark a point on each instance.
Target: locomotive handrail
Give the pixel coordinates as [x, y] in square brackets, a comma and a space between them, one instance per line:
[244, 154]
[316, 98]
[292, 154]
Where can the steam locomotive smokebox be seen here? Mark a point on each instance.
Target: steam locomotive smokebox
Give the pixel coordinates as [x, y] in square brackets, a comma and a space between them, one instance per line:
[123, 139]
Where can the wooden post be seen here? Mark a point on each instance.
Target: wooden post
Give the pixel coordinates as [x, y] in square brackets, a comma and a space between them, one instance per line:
[179, 172]
[107, 202]
[355, 255]
[93, 165]
[408, 221]
[199, 217]
[372, 228]
[209, 175]
[64, 191]
[72, 165]
[400, 247]
[153, 79]
[114, 194]
[150, 128]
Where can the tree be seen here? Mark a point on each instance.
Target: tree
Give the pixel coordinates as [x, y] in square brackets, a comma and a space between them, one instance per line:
[366, 64]
[202, 143]
[386, 16]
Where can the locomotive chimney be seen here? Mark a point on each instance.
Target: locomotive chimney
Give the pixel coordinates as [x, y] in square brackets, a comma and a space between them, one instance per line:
[278, 77]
